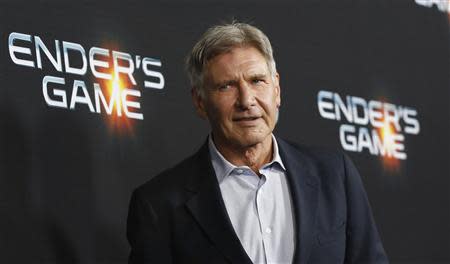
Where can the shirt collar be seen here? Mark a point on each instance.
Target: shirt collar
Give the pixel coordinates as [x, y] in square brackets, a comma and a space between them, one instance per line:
[223, 167]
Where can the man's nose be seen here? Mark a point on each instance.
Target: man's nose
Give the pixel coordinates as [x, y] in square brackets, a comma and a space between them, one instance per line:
[246, 96]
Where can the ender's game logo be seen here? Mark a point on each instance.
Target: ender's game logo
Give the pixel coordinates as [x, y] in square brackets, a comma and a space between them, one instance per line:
[372, 126]
[114, 89]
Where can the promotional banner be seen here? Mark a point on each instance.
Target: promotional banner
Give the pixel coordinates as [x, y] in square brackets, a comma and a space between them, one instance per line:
[95, 101]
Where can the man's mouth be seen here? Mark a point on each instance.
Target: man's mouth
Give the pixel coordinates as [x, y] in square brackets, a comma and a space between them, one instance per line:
[247, 121]
[249, 118]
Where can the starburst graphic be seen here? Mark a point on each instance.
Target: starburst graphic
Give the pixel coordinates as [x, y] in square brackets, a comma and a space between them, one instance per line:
[387, 134]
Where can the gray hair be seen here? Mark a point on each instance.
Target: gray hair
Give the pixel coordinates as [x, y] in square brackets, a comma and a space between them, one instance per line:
[221, 39]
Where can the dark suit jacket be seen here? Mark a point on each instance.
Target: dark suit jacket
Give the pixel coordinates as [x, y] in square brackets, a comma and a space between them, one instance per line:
[179, 216]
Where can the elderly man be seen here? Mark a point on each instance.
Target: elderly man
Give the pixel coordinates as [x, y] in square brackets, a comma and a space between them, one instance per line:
[247, 196]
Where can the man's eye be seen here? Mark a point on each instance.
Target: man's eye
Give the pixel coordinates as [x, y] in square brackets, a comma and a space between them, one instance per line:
[224, 87]
[257, 81]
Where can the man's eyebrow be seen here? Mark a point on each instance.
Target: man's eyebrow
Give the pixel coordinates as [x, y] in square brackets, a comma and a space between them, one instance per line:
[258, 75]
[232, 80]
[226, 81]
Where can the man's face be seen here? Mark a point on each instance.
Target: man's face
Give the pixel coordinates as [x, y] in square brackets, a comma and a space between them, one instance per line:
[241, 97]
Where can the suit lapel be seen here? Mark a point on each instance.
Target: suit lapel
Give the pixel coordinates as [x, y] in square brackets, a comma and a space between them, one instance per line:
[208, 209]
[304, 185]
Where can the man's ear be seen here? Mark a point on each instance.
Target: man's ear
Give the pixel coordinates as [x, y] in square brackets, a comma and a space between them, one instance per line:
[277, 89]
[199, 103]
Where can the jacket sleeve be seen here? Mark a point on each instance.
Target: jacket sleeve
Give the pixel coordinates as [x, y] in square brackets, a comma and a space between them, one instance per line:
[363, 241]
[148, 244]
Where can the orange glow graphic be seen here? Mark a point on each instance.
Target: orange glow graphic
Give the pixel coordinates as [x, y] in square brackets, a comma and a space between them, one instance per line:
[118, 121]
[387, 133]
[113, 90]
[115, 87]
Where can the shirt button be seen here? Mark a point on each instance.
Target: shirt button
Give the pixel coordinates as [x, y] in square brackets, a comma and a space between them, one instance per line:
[268, 230]
[240, 171]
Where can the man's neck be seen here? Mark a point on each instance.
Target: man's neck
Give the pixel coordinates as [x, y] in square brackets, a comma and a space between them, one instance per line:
[254, 156]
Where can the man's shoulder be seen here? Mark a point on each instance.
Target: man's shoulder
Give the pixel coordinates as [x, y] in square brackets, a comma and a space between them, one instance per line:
[330, 165]
[172, 180]
[311, 153]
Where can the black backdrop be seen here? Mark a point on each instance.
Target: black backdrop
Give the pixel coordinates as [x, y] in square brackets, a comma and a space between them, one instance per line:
[66, 175]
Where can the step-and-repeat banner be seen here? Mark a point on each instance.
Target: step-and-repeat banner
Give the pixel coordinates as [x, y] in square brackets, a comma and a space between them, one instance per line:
[94, 101]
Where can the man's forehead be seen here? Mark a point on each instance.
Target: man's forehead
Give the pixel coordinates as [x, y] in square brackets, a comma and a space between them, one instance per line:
[236, 62]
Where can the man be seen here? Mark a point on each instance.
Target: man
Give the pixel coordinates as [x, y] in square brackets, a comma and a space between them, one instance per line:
[247, 196]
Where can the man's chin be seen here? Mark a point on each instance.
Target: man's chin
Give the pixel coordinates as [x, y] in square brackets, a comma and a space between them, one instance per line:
[250, 140]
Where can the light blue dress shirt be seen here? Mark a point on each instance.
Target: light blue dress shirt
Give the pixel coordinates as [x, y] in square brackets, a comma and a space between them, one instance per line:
[260, 208]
